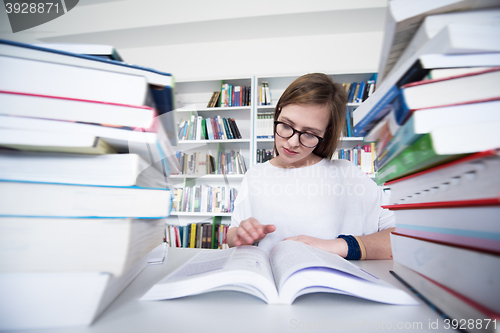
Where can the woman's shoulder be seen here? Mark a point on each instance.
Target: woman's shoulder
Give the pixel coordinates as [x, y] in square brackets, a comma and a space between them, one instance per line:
[347, 169]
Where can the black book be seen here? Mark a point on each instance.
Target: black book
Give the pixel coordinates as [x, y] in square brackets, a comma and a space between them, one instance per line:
[236, 130]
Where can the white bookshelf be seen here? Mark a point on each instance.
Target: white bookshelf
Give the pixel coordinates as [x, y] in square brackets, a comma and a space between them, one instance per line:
[191, 98]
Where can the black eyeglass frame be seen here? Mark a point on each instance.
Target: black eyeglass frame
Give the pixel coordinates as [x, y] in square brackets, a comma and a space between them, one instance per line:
[276, 122]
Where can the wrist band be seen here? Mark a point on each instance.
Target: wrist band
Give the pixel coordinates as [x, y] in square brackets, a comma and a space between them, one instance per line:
[354, 250]
[361, 247]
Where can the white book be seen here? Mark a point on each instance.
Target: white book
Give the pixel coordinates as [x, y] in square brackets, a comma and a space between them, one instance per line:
[290, 270]
[71, 109]
[45, 78]
[453, 39]
[152, 147]
[469, 178]
[88, 49]
[199, 132]
[471, 273]
[210, 132]
[66, 200]
[454, 305]
[49, 300]
[76, 245]
[53, 142]
[432, 24]
[103, 170]
[26, 51]
[403, 18]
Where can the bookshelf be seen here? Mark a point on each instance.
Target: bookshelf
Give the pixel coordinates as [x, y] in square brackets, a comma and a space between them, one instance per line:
[192, 97]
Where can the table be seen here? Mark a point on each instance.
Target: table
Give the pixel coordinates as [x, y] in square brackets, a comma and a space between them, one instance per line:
[238, 312]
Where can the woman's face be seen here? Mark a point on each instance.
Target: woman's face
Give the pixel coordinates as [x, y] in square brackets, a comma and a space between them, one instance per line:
[311, 119]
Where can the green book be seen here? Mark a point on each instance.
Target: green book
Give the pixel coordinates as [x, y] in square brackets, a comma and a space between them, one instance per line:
[216, 220]
[204, 129]
[421, 155]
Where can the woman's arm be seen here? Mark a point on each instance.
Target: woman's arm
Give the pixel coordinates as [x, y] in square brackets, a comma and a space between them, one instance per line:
[377, 245]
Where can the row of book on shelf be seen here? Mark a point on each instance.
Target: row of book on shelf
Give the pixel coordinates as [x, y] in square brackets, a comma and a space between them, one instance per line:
[204, 199]
[264, 94]
[358, 92]
[82, 204]
[201, 235]
[434, 120]
[230, 95]
[264, 127]
[361, 156]
[200, 163]
[216, 128]
[264, 155]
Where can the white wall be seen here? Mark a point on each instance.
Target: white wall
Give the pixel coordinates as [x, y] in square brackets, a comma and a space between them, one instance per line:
[338, 53]
[200, 39]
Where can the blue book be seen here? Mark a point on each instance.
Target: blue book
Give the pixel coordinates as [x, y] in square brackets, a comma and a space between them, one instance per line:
[348, 121]
[359, 97]
[352, 90]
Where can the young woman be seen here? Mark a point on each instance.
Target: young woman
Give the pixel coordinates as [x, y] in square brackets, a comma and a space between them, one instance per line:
[302, 194]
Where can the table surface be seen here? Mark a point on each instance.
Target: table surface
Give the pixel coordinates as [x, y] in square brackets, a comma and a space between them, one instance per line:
[228, 311]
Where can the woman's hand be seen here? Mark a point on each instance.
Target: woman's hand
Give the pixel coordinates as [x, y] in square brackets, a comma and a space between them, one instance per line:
[337, 246]
[249, 232]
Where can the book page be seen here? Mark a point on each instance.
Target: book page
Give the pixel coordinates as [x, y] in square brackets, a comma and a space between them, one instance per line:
[245, 269]
[248, 258]
[289, 257]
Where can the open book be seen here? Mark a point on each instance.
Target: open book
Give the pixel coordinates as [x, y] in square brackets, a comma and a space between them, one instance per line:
[290, 270]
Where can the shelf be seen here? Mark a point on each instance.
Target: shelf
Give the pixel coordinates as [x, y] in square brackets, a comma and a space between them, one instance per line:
[223, 109]
[355, 138]
[264, 140]
[198, 214]
[217, 176]
[214, 141]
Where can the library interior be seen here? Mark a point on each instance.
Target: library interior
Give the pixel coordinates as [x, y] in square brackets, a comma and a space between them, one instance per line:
[249, 166]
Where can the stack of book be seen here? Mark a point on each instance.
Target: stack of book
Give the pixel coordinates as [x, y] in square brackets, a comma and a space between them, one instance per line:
[201, 163]
[202, 235]
[435, 120]
[84, 162]
[216, 128]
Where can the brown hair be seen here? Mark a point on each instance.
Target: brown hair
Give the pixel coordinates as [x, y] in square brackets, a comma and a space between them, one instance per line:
[318, 89]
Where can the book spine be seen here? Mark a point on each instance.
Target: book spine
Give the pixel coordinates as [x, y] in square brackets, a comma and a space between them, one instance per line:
[417, 157]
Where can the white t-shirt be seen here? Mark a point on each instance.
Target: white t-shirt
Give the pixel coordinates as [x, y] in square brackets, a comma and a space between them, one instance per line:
[323, 200]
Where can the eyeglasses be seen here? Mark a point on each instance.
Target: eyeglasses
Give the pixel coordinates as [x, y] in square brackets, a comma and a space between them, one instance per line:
[286, 132]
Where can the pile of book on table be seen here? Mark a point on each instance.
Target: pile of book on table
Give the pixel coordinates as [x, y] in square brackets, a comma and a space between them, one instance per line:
[84, 160]
[435, 119]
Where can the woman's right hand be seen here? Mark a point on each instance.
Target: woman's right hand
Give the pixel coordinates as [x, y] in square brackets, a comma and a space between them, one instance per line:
[250, 231]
